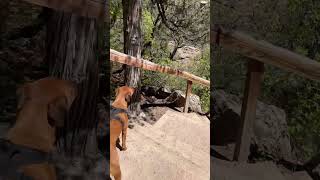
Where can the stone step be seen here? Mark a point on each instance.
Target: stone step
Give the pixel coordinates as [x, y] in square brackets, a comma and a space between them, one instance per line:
[146, 158]
[188, 128]
[180, 151]
[172, 143]
[225, 170]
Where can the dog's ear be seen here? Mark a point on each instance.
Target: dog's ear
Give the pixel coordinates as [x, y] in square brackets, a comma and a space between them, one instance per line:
[128, 99]
[57, 111]
[117, 91]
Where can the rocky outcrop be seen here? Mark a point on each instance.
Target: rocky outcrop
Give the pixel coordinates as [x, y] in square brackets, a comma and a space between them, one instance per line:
[270, 128]
[92, 164]
[185, 53]
[165, 96]
[316, 172]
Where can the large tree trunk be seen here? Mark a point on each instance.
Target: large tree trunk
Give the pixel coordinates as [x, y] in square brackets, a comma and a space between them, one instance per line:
[132, 44]
[4, 13]
[72, 49]
[4, 6]
[212, 65]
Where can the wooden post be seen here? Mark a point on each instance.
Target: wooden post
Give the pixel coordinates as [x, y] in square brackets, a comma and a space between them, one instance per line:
[188, 92]
[248, 110]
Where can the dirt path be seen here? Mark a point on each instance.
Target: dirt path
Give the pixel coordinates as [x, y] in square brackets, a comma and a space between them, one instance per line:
[176, 147]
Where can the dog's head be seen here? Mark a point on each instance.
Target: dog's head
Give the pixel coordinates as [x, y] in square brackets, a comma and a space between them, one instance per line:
[126, 93]
[57, 95]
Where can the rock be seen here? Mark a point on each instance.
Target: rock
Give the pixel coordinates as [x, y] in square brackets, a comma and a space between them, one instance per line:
[185, 53]
[176, 98]
[142, 115]
[270, 128]
[130, 126]
[149, 90]
[226, 170]
[163, 92]
[80, 167]
[298, 175]
[164, 96]
[90, 165]
[226, 112]
[195, 103]
[316, 172]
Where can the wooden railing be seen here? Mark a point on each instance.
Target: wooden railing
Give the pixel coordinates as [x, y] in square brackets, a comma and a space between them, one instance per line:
[260, 52]
[147, 65]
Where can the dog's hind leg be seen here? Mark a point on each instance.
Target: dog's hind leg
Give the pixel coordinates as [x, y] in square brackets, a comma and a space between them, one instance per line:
[124, 136]
[115, 170]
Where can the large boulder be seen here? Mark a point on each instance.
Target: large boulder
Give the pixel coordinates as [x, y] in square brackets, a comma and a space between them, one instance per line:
[163, 92]
[165, 96]
[316, 172]
[177, 99]
[92, 164]
[185, 53]
[149, 90]
[270, 127]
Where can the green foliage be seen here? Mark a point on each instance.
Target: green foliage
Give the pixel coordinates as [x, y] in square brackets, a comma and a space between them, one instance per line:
[116, 33]
[199, 67]
[305, 117]
[295, 26]
[191, 19]
[147, 25]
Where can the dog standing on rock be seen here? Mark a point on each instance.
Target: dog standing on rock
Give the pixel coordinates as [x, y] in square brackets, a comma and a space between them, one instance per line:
[42, 106]
[119, 125]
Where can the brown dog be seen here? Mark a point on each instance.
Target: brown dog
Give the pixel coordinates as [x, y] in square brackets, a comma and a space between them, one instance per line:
[42, 106]
[119, 125]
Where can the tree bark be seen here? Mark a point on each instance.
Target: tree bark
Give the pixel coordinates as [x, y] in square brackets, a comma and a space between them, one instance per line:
[72, 49]
[132, 44]
[4, 13]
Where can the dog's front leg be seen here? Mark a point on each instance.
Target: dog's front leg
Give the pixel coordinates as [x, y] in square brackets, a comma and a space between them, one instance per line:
[124, 136]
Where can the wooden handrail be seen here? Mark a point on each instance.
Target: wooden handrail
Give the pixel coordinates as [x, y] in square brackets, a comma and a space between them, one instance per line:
[147, 65]
[265, 52]
[87, 8]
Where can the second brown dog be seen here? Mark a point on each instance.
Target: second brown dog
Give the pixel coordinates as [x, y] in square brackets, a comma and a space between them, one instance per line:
[119, 125]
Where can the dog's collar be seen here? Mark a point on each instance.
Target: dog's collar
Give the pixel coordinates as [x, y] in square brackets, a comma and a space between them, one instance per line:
[13, 156]
[114, 113]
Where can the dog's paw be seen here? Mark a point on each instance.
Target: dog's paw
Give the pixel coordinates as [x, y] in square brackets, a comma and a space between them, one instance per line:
[124, 148]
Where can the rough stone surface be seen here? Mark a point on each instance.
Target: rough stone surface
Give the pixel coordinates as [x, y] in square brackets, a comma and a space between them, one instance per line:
[316, 172]
[185, 53]
[163, 92]
[270, 128]
[176, 99]
[268, 170]
[176, 147]
[301, 175]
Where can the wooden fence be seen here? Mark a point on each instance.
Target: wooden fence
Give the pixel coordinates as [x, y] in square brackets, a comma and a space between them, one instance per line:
[147, 65]
[260, 52]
